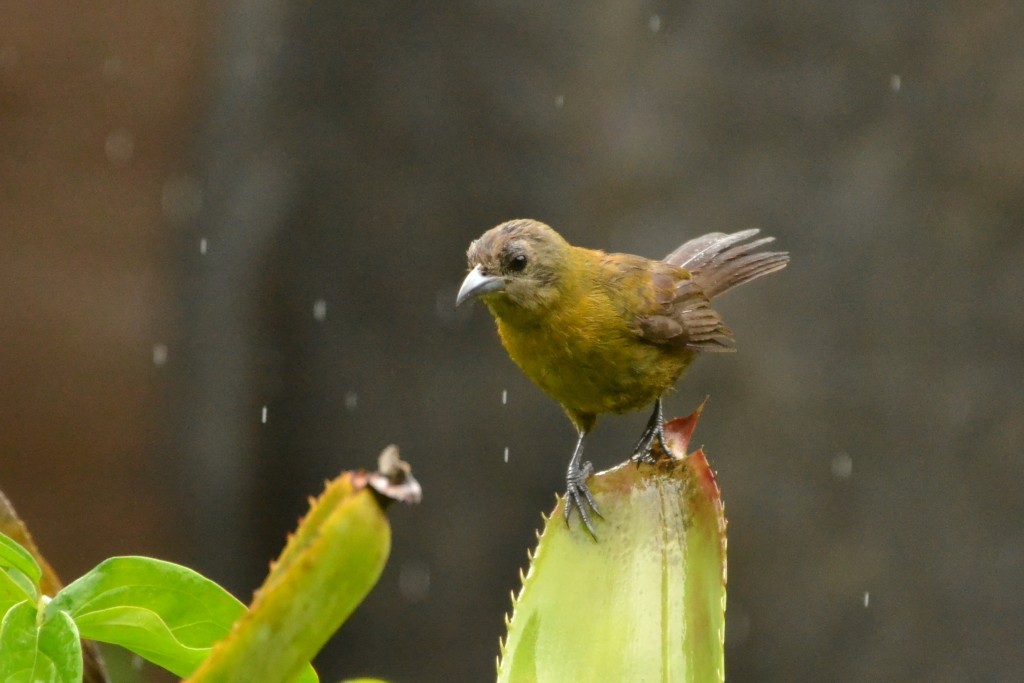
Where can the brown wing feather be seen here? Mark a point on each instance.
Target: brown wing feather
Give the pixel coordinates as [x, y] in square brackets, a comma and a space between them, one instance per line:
[686, 317]
[720, 262]
[665, 305]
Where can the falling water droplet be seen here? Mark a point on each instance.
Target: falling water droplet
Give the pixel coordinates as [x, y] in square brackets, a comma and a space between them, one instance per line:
[119, 146]
[263, 415]
[842, 466]
[867, 598]
[319, 310]
[414, 580]
[654, 23]
[504, 397]
[159, 354]
[202, 246]
[506, 453]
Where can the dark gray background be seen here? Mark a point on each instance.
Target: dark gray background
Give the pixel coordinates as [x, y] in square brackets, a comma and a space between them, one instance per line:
[868, 434]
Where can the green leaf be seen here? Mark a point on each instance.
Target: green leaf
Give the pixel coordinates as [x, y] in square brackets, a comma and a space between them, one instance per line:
[60, 642]
[51, 653]
[15, 587]
[162, 611]
[22, 572]
[145, 633]
[13, 555]
[645, 602]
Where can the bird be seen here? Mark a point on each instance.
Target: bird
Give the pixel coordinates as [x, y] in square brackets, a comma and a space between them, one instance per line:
[603, 332]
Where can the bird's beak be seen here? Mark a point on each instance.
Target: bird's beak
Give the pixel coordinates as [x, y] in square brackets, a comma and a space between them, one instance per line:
[476, 283]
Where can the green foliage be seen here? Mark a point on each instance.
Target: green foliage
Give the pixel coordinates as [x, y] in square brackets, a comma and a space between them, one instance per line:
[161, 611]
[39, 651]
[187, 624]
[20, 575]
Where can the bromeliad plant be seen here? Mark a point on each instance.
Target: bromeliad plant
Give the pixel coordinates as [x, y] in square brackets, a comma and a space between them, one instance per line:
[644, 603]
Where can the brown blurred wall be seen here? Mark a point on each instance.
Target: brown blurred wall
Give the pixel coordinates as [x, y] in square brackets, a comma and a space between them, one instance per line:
[97, 103]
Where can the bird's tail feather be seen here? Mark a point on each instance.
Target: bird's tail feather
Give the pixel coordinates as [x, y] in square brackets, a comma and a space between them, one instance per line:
[718, 262]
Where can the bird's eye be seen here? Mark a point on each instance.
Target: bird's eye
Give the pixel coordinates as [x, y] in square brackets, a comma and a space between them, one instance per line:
[517, 263]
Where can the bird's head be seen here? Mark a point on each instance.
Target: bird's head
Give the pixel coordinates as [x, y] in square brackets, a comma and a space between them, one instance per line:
[516, 268]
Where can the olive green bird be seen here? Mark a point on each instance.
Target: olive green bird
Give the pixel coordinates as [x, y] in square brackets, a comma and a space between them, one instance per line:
[607, 333]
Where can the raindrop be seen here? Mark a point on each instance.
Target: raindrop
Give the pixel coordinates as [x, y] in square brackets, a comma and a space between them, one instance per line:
[414, 580]
[867, 598]
[442, 304]
[351, 400]
[654, 23]
[842, 466]
[559, 101]
[263, 415]
[895, 82]
[119, 146]
[504, 397]
[159, 354]
[319, 310]
[202, 246]
[506, 453]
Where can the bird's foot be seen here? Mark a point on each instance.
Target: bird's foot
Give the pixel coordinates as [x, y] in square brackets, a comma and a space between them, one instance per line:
[644, 451]
[654, 432]
[578, 496]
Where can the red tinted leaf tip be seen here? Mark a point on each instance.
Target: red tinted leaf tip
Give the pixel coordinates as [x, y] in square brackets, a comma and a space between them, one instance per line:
[679, 431]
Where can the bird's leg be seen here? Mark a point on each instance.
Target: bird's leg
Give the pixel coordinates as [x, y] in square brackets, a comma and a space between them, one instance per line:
[577, 495]
[655, 430]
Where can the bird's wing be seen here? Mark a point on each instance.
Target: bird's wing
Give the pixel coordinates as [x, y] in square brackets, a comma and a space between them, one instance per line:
[720, 262]
[662, 304]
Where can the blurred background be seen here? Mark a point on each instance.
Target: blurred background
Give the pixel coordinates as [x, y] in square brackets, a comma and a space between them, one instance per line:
[231, 235]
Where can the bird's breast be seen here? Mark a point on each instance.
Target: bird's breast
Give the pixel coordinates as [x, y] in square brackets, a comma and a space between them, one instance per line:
[593, 364]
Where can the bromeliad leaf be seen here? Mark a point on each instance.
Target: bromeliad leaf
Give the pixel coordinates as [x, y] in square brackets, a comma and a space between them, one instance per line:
[329, 565]
[51, 653]
[159, 610]
[660, 564]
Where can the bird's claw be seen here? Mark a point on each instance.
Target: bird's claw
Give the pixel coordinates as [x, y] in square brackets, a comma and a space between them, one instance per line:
[655, 431]
[578, 496]
[644, 451]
